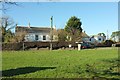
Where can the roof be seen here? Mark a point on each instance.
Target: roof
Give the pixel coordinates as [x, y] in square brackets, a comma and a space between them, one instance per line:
[84, 35]
[32, 29]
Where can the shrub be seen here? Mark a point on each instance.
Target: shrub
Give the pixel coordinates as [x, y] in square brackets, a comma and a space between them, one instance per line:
[12, 46]
[108, 43]
[29, 45]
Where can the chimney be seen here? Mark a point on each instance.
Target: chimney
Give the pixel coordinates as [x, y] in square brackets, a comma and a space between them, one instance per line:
[29, 25]
[54, 27]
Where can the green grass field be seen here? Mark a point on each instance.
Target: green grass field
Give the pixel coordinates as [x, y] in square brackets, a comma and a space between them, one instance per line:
[60, 63]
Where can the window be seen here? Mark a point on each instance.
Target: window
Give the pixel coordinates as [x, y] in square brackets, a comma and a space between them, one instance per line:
[90, 39]
[44, 37]
[36, 37]
[99, 39]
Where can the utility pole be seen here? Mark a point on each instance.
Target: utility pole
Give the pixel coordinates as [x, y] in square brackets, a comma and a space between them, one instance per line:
[107, 35]
[51, 33]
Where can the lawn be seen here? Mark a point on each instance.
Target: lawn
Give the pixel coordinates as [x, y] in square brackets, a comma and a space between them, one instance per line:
[61, 63]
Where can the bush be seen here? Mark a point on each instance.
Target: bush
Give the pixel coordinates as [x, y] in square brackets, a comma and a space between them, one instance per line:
[12, 46]
[100, 45]
[118, 44]
[29, 45]
[108, 43]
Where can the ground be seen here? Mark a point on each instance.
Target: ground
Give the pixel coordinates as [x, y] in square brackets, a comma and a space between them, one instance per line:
[87, 63]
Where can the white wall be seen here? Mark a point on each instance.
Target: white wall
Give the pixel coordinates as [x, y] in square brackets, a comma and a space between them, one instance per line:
[99, 37]
[93, 40]
[31, 37]
[116, 38]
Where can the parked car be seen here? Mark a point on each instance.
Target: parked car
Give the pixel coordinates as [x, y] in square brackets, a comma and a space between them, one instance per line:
[86, 45]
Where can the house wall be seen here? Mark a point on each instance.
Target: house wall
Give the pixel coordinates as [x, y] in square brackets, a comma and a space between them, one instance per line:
[95, 40]
[85, 39]
[100, 39]
[116, 38]
[32, 37]
[91, 40]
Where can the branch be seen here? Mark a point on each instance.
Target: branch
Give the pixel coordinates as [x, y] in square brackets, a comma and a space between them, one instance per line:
[6, 2]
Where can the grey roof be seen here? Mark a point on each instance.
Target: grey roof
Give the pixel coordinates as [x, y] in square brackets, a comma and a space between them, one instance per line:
[84, 35]
[32, 29]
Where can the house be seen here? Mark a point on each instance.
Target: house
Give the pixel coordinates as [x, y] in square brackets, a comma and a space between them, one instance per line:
[36, 33]
[115, 36]
[99, 37]
[95, 39]
[86, 38]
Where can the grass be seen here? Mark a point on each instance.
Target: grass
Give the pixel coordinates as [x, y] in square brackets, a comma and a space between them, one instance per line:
[60, 64]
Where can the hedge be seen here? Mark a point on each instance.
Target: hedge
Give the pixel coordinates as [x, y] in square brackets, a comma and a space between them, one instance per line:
[40, 45]
[28, 45]
[12, 46]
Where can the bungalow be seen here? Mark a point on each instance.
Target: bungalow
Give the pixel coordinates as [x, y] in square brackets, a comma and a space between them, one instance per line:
[36, 33]
[115, 36]
[86, 38]
[95, 39]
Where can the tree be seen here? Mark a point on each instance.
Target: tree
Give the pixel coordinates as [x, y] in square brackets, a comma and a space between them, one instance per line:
[73, 27]
[6, 3]
[62, 35]
[19, 37]
[102, 34]
[6, 24]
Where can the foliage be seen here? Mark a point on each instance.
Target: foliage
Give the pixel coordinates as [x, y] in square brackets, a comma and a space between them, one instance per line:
[12, 46]
[7, 35]
[67, 63]
[38, 45]
[73, 24]
[102, 34]
[6, 5]
[19, 37]
[73, 27]
[117, 33]
[62, 35]
[6, 25]
[55, 35]
[108, 43]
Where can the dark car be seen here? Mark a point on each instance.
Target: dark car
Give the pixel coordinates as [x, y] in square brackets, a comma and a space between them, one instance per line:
[86, 45]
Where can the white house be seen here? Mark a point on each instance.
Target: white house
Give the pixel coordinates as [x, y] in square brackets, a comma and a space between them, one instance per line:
[35, 33]
[95, 39]
[98, 38]
[116, 38]
[86, 38]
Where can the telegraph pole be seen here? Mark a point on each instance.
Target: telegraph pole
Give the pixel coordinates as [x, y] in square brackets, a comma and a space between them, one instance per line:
[51, 33]
[107, 35]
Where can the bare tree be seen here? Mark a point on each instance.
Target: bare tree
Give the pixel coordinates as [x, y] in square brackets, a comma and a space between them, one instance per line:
[19, 37]
[5, 4]
[6, 24]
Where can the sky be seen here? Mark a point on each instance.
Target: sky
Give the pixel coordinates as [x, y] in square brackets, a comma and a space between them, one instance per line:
[96, 17]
